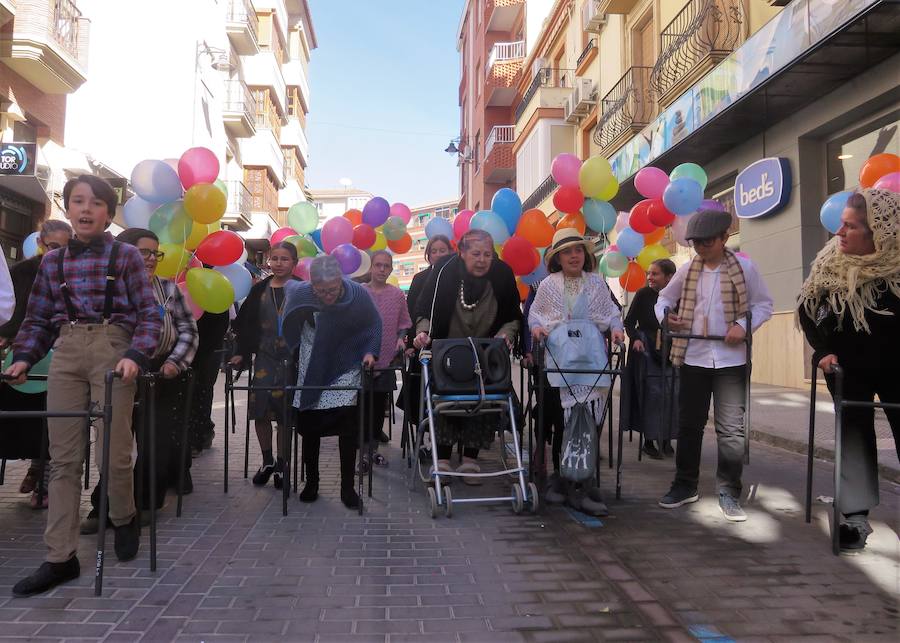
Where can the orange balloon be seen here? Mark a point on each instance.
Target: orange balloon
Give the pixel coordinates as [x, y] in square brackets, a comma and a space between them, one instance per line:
[574, 220]
[355, 216]
[634, 278]
[654, 237]
[523, 289]
[401, 245]
[876, 167]
[533, 225]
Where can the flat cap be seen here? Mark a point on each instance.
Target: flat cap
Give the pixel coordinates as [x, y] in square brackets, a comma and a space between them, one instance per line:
[707, 224]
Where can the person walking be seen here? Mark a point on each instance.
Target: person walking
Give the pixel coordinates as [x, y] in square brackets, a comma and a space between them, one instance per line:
[850, 314]
[713, 292]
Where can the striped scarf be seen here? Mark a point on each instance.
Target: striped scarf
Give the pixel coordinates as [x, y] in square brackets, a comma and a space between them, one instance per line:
[732, 289]
[168, 334]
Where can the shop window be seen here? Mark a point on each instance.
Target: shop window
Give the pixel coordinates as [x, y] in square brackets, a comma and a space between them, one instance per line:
[847, 153]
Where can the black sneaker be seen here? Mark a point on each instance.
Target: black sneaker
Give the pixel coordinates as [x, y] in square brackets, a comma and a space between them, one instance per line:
[47, 576]
[128, 540]
[261, 477]
[678, 496]
[382, 437]
[310, 491]
[651, 451]
[350, 498]
[90, 524]
[667, 449]
[853, 535]
[208, 440]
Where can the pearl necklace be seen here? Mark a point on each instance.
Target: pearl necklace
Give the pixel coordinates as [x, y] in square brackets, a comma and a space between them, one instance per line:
[462, 299]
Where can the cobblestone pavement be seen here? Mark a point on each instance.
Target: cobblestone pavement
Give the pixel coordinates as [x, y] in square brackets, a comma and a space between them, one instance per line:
[233, 569]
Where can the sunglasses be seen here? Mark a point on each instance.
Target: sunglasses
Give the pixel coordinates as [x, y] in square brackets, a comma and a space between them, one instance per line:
[146, 253]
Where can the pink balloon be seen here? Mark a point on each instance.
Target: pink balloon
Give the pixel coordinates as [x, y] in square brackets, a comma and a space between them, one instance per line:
[613, 248]
[651, 182]
[336, 231]
[198, 165]
[401, 210]
[196, 311]
[280, 235]
[622, 221]
[742, 254]
[302, 269]
[565, 168]
[461, 223]
[889, 182]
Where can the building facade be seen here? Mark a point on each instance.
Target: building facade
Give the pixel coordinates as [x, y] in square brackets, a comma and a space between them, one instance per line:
[335, 202]
[409, 263]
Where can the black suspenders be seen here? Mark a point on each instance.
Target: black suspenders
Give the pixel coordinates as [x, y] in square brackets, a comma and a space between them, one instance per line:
[108, 293]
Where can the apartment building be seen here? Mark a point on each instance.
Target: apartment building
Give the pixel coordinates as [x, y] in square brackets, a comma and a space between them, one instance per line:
[406, 265]
[335, 202]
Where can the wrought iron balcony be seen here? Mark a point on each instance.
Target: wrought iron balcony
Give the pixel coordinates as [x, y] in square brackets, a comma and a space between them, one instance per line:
[588, 48]
[544, 190]
[65, 25]
[546, 78]
[698, 38]
[628, 107]
[242, 26]
[240, 203]
[239, 108]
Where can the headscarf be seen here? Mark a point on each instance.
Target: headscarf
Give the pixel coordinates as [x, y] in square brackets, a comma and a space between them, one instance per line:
[854, 283]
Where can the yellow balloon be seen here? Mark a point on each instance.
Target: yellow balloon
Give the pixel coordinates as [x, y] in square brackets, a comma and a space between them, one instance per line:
[175, 260]
[593, 177]
[393, 280]
[650, 254]
[610, 191]
[210, 290]
[380, 241]
[205, 203]
[199, 231]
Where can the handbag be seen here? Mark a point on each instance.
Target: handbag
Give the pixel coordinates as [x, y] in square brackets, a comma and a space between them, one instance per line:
[577, 344]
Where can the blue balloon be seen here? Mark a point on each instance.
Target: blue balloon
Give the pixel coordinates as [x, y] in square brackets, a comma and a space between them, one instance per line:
[683, 196]
[156, 181]
[490, 222]
[830, 214]
[316, 236]
[599, 216]
[630, 242]
[539, 273]
[240, 279]
[507, 204]
[30, 245]
[137, 212]
[439, 225]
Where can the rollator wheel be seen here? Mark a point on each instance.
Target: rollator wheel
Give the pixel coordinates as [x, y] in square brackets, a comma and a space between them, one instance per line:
[518, 503]
[448, 498]
[535, 499]
[432, 500]
[423, 452]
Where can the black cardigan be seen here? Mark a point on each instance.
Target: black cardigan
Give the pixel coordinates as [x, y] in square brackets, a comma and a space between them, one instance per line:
[246, 325]
[23, 275]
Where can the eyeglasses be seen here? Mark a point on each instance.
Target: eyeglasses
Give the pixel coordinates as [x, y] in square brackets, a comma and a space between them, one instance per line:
[705, 243]
[146, 253]
[52, 245]
[327, 292]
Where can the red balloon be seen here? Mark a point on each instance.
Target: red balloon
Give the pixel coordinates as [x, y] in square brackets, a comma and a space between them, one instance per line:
[354, 216]
[634, 278]
[221, 248]
[639, 218]
[401, 245]
[363, 236]
[520, 255]
[659, 214]
[568, 199]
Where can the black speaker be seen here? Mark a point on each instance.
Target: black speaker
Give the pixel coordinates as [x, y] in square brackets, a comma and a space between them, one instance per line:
[453, 366]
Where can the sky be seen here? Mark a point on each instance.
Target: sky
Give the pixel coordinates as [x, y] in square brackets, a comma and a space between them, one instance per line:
[384, 97]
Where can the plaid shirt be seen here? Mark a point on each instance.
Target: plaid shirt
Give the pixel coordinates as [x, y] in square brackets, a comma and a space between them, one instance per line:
[184, 337]
[133, 305]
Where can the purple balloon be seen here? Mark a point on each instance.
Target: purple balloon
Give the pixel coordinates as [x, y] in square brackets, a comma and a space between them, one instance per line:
[376, 212]
[348, 258]
[712, 204]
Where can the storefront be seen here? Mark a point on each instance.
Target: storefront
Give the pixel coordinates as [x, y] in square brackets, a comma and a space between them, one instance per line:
[22, 195]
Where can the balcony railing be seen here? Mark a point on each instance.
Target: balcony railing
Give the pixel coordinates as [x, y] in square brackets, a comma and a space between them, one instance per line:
[702, 34]
[238, 98]
[590, 46]
[544, 190]
[240, 201]
[504, 52]
[546, 77]
[65, 25]
[242, 11]
[627, 108]
[499, 134]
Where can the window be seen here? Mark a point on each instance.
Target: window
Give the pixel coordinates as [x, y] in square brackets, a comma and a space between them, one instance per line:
[475, 151]
[267, 116]
[847, 153]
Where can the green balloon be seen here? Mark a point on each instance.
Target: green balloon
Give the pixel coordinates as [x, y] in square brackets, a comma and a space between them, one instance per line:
[303, 217]
[306, 247]
[171, 223]
[222, 186]
[690, 171]
[41, 368]
[613, 264]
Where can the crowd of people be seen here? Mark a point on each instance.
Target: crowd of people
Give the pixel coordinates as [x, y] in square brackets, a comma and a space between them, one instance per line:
[96, 302]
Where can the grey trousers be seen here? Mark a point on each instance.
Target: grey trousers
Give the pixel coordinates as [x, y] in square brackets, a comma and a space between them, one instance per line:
[726, 387]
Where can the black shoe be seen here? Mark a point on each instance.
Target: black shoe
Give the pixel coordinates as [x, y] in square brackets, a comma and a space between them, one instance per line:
[382, 437]
[853, 535]
[188, 484]
[350, 498]
[90, 524]
[651, 451]
[667, 449]
[47, 576]
[208, 440]
[261, 477]
[128, 540]
[277, 480]
[310, 491]
[678, 496]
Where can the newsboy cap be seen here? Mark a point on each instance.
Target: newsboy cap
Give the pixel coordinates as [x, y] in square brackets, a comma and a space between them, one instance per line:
[707, 224]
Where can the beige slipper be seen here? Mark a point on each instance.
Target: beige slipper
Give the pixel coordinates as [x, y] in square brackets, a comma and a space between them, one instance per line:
[470, 467]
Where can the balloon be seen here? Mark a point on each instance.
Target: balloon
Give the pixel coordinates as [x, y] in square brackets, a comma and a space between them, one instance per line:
[210, 290]
[205, 203]
[830, 214]
[876, 167]
[303, 217]
[348, 258]
[402, 211]
[533, 225]
[599, 216]
[621, 221]
[461, 223]
[565, 168]
[42, 367]
[650, 254]
[363, 236]
[401, 245]
[172, 163]
[639, 218]
[199, 231]
[613, 263]
[610, 190]
[690, 171]
[889, 181]
[574, 220]
[594, 176]
[683, 196]
[354, 216]
[302, 269]
[490, 222]
[335, 232]
[438, 225]
[137, 212]
[658, 215]
[239, 278]
[392, 280]
[280, 235]
[305, 246]
[520, 255]
[316, 236]
[630, 242]
[523, 289]
[679, 229]
[633, 279]
[30, 245]
[219, 249]
[394, 228]
[380, 242]
[198, 165]
[376, 212]
[742, 254]
[196, 311]
[219, 183]
[508, 205]
[654, 237]
[711, 204]
[536, 275]
[365, 265]
[568, 200]
[175, 260]
[651, 182]
[155, 181]
[171, 223]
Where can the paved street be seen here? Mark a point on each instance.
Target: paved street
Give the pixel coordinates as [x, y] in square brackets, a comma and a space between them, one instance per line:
[233, 569]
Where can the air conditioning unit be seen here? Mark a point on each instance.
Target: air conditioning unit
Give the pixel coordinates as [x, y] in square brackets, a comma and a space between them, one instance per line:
[583, 95]
[569, 109]
[591, 18]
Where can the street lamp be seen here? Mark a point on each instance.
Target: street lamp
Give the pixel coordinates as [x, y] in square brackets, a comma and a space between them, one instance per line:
[218, 60]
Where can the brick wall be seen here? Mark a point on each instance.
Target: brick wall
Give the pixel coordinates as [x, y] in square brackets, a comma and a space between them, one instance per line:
[46, 111]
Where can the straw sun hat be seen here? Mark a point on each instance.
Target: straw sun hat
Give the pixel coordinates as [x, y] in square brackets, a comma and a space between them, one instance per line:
[566, 238]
